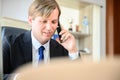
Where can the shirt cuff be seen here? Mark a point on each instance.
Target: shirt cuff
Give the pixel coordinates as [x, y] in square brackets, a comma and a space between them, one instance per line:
[74, 56]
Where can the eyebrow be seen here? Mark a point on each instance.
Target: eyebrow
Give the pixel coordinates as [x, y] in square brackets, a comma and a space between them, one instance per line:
[55, 20]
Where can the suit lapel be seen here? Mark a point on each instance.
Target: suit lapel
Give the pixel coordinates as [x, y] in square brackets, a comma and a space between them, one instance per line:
[52, 48]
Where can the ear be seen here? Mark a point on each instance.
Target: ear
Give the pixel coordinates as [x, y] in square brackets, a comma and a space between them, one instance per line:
[30, 20]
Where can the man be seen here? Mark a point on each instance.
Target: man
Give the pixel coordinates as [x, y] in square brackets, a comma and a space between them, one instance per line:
[43, 16]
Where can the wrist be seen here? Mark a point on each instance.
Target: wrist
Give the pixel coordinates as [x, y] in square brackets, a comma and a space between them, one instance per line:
[73, 50]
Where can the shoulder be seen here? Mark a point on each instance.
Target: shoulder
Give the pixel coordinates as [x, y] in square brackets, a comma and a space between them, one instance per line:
[56, 47]
[55, 43]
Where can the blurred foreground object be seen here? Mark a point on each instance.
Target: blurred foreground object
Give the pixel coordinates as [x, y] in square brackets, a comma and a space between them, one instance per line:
[71, 70]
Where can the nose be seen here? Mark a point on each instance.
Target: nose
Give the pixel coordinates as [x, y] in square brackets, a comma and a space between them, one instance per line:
[48, 26]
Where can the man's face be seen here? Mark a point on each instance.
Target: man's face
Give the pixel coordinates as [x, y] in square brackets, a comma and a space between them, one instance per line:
[44, 28]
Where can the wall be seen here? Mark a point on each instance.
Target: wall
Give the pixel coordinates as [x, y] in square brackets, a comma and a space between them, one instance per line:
[97, 2]
[113, 28]
[116, 27]
[65, 19]
[1, 67]
[15, 23]
[0, 10]
[16, 9]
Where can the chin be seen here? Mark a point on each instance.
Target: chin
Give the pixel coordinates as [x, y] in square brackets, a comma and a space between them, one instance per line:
[47, 38]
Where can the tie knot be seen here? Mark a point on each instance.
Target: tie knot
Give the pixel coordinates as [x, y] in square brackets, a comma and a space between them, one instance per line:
[41, 48]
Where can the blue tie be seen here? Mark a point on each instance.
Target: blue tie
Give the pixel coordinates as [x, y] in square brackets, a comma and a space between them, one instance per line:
[41, 55]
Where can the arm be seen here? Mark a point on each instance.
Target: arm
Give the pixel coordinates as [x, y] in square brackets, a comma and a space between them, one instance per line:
[69, 43]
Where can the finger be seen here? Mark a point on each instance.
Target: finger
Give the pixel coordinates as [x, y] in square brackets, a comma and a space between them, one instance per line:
[63, 32]
[62, 27]
[58, 40]
[65, 37]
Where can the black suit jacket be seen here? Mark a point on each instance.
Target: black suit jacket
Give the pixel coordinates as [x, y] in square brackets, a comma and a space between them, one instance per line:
[17, 50]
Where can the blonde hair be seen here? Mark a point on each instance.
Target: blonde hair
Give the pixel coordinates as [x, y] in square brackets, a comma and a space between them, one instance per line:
[43, 8]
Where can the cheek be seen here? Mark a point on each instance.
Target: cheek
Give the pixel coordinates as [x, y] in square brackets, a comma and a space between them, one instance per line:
[55, 27]
[37, 28]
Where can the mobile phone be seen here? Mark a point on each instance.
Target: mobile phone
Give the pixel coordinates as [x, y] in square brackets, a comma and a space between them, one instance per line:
[58, 31]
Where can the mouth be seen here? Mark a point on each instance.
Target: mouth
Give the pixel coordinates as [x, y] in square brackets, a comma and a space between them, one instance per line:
[47, 34]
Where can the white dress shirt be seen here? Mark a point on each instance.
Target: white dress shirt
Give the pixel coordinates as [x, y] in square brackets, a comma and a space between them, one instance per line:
[35, 55]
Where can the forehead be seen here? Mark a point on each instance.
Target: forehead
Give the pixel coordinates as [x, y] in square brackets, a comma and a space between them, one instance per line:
[53, 16]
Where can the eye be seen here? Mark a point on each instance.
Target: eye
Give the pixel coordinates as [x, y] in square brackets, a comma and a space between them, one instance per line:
[54, 22]
[44, 21]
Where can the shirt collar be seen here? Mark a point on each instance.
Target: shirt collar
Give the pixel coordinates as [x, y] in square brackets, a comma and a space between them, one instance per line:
[36, 44]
